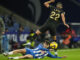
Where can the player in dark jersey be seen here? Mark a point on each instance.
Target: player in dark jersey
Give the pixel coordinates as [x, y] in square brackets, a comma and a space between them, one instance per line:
[53, 20]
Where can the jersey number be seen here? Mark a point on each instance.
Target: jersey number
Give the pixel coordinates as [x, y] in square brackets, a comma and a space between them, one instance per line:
[54, 16]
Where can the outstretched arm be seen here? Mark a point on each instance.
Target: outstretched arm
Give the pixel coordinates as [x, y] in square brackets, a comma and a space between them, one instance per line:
[52, 56]
[48, 3]
[55, 51]
[63, 19]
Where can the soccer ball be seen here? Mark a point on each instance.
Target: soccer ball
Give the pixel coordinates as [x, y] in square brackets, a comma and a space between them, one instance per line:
[53, 45]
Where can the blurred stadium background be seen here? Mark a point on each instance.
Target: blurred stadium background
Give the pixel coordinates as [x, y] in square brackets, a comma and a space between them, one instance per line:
[19, 17]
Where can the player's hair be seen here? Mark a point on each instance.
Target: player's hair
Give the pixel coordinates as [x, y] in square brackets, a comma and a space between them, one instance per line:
[47, 42]
[59, 3]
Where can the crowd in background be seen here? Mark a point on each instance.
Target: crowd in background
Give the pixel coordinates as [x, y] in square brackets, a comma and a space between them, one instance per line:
[15, 36]
[9, 27]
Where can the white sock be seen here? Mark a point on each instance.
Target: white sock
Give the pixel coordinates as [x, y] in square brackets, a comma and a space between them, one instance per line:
[10, 53]
[56, 53]
[15, 57]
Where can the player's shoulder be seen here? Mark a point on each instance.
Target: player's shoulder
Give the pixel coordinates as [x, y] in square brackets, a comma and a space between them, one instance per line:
[62, 11]
[40, 45]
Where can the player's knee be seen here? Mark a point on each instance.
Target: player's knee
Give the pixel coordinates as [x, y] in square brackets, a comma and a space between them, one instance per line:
[21, 51]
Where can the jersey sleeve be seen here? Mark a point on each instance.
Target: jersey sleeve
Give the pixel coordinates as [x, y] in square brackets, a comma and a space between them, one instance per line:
[52, 56]
[40, 47]
[62, 12]
[44, 49]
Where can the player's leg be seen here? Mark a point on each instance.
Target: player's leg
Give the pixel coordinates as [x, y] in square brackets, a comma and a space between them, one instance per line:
[40, 31]
[26, 56]
[43, 29]
[53, 33]
[22, 57]
[22, 51]
[54, 38]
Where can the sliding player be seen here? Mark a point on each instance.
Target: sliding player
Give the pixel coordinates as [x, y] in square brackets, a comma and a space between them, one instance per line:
[40, 52]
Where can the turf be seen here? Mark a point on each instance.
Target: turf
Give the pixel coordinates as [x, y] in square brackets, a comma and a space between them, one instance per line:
[72, 54]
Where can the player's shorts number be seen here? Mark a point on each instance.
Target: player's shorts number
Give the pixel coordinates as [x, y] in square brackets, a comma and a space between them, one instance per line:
[54, 16]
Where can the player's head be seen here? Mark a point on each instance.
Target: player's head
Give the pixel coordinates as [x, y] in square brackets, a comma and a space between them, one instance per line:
[46, 44]
[59, 5]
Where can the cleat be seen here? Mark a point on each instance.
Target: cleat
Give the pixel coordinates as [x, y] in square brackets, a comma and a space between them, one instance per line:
[5, 54]
[10, 57]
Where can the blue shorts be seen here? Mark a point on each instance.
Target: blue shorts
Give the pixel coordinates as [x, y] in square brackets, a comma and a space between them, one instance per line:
[29, 51]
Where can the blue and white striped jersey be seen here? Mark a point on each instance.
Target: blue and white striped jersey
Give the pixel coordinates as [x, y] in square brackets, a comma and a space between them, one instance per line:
[40, 52]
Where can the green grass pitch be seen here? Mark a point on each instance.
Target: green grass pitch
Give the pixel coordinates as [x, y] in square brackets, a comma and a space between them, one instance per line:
[72, 54]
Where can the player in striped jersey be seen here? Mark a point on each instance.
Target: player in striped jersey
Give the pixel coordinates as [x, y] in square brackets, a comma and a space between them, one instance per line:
[40, 52]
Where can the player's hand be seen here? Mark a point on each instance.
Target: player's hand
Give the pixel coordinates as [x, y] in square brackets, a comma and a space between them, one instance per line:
[64, 57]
[52, 0]
[66, 25]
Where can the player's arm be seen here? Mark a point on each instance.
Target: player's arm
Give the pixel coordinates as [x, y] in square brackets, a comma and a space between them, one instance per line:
[63, 19]
[40, 47]
[52, 56]
[55, 51]
[47, 4]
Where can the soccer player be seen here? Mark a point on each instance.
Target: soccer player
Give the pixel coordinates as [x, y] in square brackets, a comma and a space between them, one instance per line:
[54, 19]
[40, 52]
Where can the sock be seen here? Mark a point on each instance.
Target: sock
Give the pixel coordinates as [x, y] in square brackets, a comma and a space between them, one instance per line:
[15, 57]
[56, 53]
[10, 53]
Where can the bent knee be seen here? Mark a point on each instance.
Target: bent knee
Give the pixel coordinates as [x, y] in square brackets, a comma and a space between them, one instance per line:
[23, 51]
